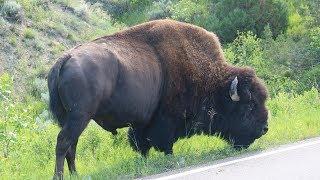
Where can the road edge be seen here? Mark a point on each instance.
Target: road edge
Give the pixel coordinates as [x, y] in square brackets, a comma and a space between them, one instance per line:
[232, 160]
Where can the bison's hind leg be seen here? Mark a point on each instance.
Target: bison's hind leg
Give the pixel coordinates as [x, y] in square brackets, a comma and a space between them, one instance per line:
[138, 140]
[71, 156]
[67, 140]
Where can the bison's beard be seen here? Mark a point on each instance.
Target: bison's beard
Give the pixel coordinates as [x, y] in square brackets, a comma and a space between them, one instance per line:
[210, 122]
[240, 142]
[223, 128]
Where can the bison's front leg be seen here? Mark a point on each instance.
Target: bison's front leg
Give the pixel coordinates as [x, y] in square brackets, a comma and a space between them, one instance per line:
[161, 133]
[67, 138]
[138, 140]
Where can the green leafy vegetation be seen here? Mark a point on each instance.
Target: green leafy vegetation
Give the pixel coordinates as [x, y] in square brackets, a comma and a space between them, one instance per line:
[285, 64]
[282, 43]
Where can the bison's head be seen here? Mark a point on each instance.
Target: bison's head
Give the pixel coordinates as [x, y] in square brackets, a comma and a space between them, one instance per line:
[240, 114]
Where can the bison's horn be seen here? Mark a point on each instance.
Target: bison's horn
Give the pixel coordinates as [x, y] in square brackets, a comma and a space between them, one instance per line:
[233, 92]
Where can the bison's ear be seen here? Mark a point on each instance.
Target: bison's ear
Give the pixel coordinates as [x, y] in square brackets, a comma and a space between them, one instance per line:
[233, 91]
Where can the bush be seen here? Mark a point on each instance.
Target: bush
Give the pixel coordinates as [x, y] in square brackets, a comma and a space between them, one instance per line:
[117, 8]
[304, 15]
[311, 77]
[229, 16]
[40, 89]
[12, 11]
[226, 17]
[298, 58]
[284, 63]
[247, 50]
[29, 33]
[82, 11]
[314, 35]
[189, 11]
[160, 9]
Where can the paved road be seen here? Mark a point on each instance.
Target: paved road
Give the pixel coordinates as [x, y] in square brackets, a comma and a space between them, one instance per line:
[299, 161]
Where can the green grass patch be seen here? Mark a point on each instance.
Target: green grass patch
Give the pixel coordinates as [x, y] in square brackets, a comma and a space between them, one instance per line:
[29, 33]
[28, 137]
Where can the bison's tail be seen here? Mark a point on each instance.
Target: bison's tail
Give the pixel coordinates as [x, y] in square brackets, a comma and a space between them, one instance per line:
[55, 103]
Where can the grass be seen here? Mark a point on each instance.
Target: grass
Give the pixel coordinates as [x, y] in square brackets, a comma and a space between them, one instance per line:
[28, 136]
[29, 33]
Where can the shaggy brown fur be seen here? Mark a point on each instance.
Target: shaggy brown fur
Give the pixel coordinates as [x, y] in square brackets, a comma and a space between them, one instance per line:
[191, 58]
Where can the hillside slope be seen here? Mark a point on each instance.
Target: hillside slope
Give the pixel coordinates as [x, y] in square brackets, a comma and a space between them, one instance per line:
[34, 33]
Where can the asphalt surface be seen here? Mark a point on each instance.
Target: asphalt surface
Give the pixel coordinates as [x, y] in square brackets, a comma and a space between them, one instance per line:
[298, 161]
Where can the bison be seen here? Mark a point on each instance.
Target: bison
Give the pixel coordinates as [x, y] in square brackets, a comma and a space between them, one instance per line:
[165, 80]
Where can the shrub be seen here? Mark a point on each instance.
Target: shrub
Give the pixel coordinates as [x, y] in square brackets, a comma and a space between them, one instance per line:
[304, 15]
[64, 3]
[312, 78]
[189, 11]
[230, 16]
[314, 11]
[284, 63]
[227, 17]
[123, 10]
[246, 50]
[298, 25]
[40, 89]
[314, 35]
[249, 50]
[160, 9]
[115, 8]
[298, 57]
[29, 33]
[82, 11]
[12, 11]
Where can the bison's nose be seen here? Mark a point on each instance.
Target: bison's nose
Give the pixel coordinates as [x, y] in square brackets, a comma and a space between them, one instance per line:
[265, 130]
